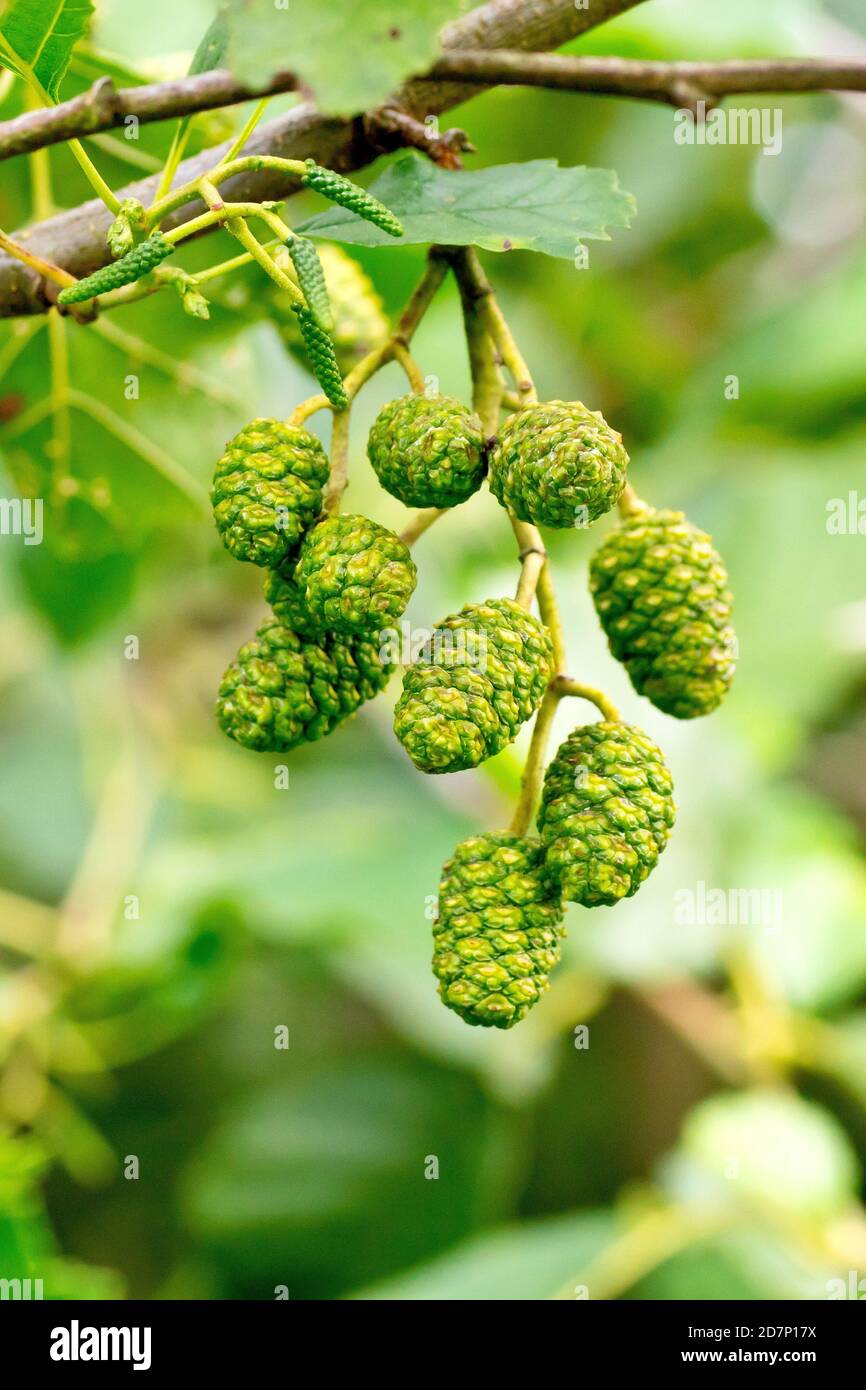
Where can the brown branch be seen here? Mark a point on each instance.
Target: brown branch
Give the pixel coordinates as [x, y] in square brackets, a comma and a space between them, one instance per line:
[105, 107]
[674, 83]
[75, 240]
[390, 129]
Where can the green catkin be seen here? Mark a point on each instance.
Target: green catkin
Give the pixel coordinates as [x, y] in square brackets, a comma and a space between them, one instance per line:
[323, 359]
[131, 267]
[350, 196]
[311, 278]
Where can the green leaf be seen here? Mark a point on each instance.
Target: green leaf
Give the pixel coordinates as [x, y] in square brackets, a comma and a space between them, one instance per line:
[772, 1151]
[341, 1153]
[351, 54]
[211, 51]
[534, 206]
[532, 1261]
[37, 38]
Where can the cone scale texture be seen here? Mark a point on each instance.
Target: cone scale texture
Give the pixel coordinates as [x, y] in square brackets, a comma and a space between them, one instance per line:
[498, 931]
[557, 464]
[661, 593]
[287, 602]
[267, 490]
[354, 575]
[428, 451]
[606, 813]
[481, 675]
[284, 689]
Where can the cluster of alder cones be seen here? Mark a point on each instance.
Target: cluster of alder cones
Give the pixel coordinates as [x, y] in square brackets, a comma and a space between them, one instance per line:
[336, 585]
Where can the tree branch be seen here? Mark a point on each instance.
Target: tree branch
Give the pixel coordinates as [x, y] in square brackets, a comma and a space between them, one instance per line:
[75, 240]
[674, 83]
[104, 107]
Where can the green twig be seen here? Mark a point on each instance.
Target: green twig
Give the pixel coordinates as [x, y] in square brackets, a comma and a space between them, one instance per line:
[565, 686]
[421, 522]
[339, 478]
[249, 126]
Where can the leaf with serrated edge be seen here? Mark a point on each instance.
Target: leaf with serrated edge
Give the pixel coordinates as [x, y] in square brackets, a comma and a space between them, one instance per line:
[534, 206]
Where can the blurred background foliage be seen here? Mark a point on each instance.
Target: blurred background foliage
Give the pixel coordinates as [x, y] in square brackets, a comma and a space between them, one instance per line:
[165, 908]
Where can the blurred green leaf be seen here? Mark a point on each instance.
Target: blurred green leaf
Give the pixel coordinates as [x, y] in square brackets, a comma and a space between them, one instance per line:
[37, 38]
[531, 1261]
[390, 41]
[736, 1264]
[813, 949]
[320, 1181]
[771, 1150]
[27, 1245]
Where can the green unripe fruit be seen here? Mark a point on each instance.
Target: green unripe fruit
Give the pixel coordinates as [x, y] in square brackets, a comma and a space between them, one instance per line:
[428, 451]
[557, 464]
[267, 490]
[661, 593]
[481, 675]
[131, 267]
[498, 930]
[349, 195]
[285, 598]
[606, 813]
[359, 321]
[284, 689]
[355, 575]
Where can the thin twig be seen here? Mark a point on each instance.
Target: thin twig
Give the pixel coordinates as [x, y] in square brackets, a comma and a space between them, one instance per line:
[45, 268]
[339, 479]
[104, 107]
[421, 522]
[674, 83]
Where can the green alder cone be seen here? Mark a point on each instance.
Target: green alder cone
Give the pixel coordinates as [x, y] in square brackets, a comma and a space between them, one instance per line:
[290, 609]
[428, 451]
[350, 195]
[321, 357]
[355, 575]
[267, 490]
[481, 675]
[284, 689]
[498, 930]
[606, 813]
[360, 324]
[661, 593]
[558, 464]
[131, 267]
